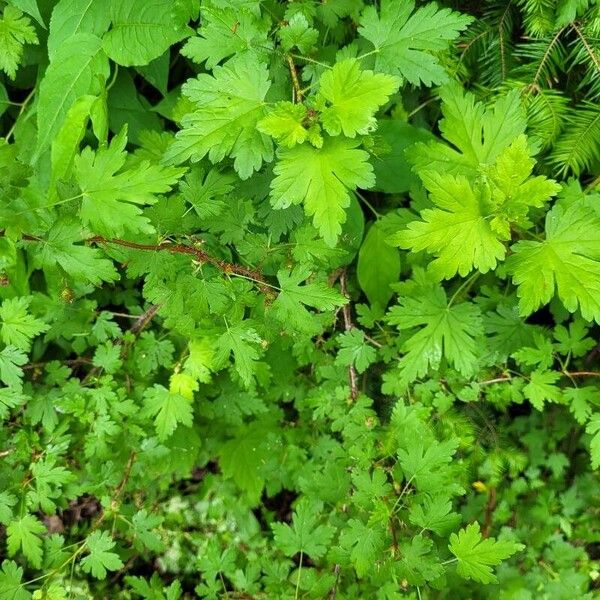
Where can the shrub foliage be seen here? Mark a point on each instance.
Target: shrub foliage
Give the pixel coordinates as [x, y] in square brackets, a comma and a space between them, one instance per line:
[299, 299]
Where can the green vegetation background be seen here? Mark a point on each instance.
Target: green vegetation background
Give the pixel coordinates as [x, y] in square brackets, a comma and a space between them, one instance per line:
[299, 299]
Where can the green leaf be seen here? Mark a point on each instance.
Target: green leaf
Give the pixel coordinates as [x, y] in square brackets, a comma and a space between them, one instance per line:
[567, 262]
[369, 487]
[227, 107]
[23, 534]
[477, 555]
[71, 17]
[107, 357]
[100, 558]
[304, 535]
[7, 501]
[321, 179]
[478, 134]
[423, 463]
[15, 31]
[77, 68]
[144, 526]
[435, 514]
[366, 544]
[112, 196]
[350, 98]
[290, 303]
[239, 340]
[168, 410]
[581, 400]
[404, 41]
[17, 327]
[298, 34]
[355, 350]
[11, 586]
[394, 140]
[141, 31]
[418, 565]
[378, 265]
[229, 32]
[11, 359]
[285, 123]
[447, 331]
[66, 143]
[79, 262]
[243, 458]
[458, 231]
[541, 388]
[593, 428]
[29, 7]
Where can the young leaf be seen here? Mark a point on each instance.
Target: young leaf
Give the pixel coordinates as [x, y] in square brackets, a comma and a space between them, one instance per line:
[351, 97]
[457, 231]
[321, 179]
[285, 123]
[476, 556]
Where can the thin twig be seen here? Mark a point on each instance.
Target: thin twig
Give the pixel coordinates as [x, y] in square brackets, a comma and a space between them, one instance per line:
[299, 95]
[348, 326]
[144, 319]
[200, 255]
[333, 593]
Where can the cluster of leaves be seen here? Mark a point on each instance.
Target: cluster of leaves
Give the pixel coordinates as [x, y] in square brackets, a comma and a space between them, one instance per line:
[299, 300]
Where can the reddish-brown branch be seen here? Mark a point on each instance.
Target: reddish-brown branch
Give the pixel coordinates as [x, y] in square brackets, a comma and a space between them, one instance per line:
[199, 255]
[489, 512]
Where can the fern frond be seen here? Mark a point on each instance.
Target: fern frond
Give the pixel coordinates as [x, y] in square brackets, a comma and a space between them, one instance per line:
[488, 46]
[538, 16]
[578, 148]
[543, 61]
[585, 55]
[546, 110]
